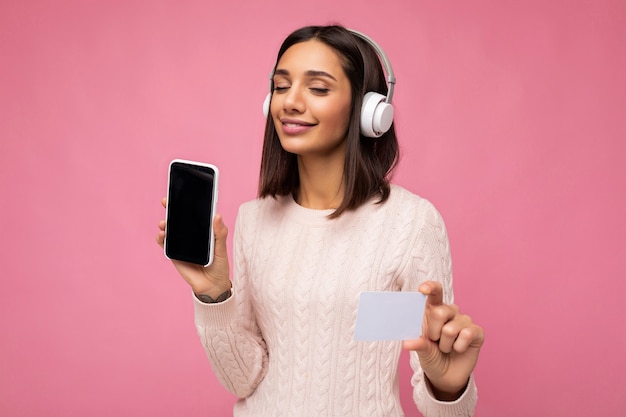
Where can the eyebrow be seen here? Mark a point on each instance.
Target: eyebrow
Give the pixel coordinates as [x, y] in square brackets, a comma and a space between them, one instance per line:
[309, 73]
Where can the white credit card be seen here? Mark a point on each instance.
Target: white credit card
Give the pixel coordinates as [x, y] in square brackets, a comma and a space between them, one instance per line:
[389, 315]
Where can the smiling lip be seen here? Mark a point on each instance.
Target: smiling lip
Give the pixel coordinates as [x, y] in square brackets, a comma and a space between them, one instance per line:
[294, 127]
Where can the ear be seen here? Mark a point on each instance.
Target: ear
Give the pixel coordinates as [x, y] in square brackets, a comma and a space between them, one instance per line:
[376, 115]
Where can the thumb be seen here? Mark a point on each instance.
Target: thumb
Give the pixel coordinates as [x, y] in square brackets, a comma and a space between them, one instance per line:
[422, 345]
[221, 234]
[427, 351]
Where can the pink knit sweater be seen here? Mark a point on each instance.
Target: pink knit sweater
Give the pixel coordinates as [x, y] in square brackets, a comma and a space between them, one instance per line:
[283, 342]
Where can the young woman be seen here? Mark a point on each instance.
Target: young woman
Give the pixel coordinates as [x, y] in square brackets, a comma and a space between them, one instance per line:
[328, 225]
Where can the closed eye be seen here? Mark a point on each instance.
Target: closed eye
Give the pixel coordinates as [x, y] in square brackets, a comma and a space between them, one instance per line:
[320, 91]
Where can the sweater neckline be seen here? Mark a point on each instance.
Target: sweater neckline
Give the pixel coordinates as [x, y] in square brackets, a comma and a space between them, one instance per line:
[305, 215]
[319, 217]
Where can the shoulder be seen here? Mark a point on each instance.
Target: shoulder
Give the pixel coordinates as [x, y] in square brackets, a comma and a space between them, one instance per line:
[412, 206]
[253, 217]
[255, 205]
[261, 209]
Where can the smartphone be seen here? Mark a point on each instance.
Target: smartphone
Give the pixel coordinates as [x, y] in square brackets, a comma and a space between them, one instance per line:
[191, 202]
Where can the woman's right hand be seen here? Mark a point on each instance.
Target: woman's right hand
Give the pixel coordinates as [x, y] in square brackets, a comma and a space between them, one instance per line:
[213, 280]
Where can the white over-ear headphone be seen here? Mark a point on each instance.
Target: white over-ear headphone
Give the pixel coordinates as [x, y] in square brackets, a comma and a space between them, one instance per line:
[377, 110]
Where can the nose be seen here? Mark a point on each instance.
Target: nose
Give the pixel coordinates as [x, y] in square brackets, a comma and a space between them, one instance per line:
[293, 100]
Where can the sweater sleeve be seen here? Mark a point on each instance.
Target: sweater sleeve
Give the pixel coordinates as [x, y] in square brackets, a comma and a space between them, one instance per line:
[430, 260]
[229, 333]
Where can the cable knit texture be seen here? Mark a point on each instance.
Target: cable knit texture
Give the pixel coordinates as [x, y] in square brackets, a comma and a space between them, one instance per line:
[283, 342]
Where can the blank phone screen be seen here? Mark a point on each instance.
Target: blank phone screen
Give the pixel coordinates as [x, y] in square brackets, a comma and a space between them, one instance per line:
[189, 213]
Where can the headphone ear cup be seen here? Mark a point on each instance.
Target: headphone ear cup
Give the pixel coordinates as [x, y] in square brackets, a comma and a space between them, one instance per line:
[266, 104]
[376, 115]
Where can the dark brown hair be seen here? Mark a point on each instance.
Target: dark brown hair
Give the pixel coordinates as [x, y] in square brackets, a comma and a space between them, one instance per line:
[369, 162]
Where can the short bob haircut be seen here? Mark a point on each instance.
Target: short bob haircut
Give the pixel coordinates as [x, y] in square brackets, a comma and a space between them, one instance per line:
[369, 162]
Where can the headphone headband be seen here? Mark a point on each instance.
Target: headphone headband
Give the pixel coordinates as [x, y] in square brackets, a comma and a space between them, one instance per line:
[391, 78]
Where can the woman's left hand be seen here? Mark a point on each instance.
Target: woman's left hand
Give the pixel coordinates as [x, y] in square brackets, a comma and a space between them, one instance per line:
[449, 346]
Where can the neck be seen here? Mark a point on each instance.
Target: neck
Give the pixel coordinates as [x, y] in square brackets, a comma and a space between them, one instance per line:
[321, 183]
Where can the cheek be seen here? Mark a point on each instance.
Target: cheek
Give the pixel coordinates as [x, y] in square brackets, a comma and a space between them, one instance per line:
[342, 116]
[336, 113]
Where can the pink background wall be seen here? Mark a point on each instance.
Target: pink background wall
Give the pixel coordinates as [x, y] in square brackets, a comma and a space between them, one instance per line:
[512, 120]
